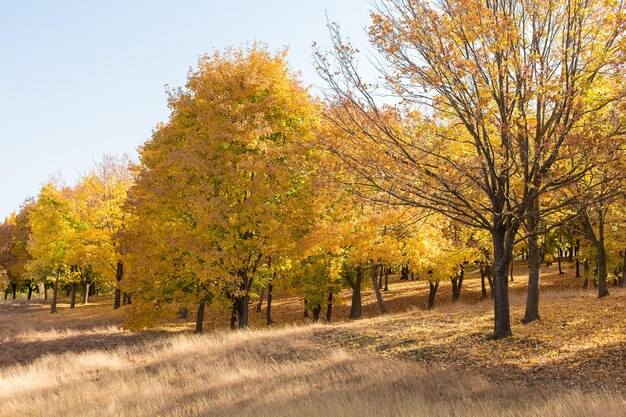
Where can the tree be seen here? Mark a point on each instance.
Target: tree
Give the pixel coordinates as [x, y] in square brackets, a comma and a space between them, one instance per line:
[503, 83]
[14, 256]
[221, 193]
[52, 231]
[99, 200]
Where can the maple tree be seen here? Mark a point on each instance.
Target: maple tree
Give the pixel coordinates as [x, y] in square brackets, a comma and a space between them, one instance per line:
[503, 82]
[14, 256]
[50, 240]
[220, 193]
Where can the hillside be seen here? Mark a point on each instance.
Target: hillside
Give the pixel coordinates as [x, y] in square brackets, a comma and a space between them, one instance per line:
[411, 362]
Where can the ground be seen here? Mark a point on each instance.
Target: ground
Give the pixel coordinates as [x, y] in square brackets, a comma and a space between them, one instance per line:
[410, 362]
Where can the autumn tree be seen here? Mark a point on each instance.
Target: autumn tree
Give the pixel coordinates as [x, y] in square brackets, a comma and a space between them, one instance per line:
[501, 84]
[52, 231]
[14, 255]
[99, 198]
[221, 192]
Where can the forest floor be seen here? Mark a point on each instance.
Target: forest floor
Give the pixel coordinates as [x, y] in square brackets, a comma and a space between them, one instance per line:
[410, 362]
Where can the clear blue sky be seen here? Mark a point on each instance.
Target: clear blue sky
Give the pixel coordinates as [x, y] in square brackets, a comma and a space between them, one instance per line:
[82, 78]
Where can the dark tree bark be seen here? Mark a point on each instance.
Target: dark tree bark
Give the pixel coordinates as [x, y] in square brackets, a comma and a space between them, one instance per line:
[305, 314]
[268, 308]
[488, 272]
[242, 301]
[603, 290]
[502, 253]
[622, 282]
[387, 271]
[534, 266]
[355, 306]
[404, 273]
[6, 293]
[586, 271]
[329, 308]
[559, 255]
[483, 289]
[512, 269]
[233, 316]
[316, 312]
[73, 296]
[577, 268]
[55, 293]
[259, 306]
[457, 284]
[30, 292]
[200, 317]
[379, 299]
[598, 241]
[119, 273]
[432, 293]
[14, 289]
[380, 277]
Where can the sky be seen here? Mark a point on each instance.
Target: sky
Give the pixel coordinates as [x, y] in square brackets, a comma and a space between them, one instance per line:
[83, 78]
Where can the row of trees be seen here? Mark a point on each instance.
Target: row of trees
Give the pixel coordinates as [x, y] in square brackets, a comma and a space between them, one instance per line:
[507, 135]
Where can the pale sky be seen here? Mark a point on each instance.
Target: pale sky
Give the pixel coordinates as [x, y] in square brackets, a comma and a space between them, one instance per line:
[82, 78]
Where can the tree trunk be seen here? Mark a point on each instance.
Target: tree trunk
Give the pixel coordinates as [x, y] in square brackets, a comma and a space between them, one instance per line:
[559, 261]
[242, 311]
[534, 267]
[404, 273]
[329, 309]
[380, 277]
[30, 292]
[431, 293]
[55, 293]
[119, 273]
[355, 306]
[502, 253]
[73, 296]
[622, 282]
[305, 313]
[483, 289]
[488, 273]
[233, 316]
[387, 270]
[6, 293]
[200, 317]
[457, 283]
[268, 308]
[603, 291]
[379, 299]
[316, 312]
[511, 269]
[86, 295]
[586, 272]
[14, 289]
[259, 306]
[124, 298]
[577, 268]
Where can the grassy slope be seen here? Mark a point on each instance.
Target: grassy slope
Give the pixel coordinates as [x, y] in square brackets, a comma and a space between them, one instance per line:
[411, 362]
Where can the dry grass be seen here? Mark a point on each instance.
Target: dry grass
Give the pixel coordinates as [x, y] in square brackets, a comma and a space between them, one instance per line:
[412, 362]
[269, 373]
